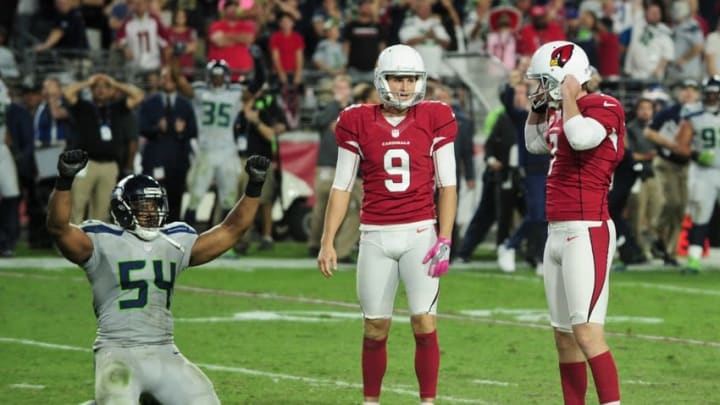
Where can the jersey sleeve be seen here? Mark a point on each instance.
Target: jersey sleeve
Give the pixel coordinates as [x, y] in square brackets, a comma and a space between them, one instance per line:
[346, 134]
[93, 229]
[609, 114]
[444, 125]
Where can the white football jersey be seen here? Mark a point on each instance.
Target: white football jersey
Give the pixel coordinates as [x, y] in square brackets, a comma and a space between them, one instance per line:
[133, 280]
[706, 132]
[216, 110]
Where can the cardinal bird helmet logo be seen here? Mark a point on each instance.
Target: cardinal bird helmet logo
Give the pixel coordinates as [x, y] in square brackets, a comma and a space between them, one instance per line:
[560, 56]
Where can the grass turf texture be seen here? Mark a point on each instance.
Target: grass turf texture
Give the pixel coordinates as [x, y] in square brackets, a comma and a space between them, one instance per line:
[312, 355]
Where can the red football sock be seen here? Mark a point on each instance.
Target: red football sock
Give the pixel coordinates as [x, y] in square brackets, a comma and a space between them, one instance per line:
[573, 377]
[606, 377]
[374, 363]
[427, 363]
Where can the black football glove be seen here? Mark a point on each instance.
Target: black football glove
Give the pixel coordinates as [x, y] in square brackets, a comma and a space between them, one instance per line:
[257, 167]
[71, 162]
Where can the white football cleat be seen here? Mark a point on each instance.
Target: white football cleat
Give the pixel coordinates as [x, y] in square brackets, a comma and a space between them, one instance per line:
[506, 258]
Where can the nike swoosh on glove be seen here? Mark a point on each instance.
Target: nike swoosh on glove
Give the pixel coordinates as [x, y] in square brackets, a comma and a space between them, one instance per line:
[439, 257]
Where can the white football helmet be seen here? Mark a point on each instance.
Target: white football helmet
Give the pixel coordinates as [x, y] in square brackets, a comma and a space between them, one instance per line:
[400, 60]
[549, 66]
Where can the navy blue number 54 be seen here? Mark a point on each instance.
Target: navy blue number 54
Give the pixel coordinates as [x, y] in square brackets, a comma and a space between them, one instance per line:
[127, 283]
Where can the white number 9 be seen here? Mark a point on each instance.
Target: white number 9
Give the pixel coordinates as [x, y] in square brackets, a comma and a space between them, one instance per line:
[402, 169]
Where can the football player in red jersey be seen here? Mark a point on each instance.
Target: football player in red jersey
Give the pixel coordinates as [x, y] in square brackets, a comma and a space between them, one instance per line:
[585, 134]
[404, 150]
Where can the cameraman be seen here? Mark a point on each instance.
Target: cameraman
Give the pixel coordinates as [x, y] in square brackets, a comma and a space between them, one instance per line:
[256, 129]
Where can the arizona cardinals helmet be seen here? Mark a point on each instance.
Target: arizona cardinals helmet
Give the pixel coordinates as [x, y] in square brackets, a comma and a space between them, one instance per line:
[548, 67]
[400, 60]
[139, 204]
[217, 73]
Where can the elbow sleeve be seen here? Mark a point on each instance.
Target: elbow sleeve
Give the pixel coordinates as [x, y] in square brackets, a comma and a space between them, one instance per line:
[584, 133]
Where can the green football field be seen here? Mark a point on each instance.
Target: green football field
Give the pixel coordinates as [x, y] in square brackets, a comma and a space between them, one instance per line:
[274, 332]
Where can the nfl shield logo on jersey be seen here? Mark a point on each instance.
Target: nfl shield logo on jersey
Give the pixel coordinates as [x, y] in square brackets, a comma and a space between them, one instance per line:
[395, 133]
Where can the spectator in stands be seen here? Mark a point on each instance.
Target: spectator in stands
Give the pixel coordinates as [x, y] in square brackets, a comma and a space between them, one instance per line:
[118, 12]
[257, 126]
[9, 181]
[452, 23]
[501, 40]
[712, 52]
[143, 38]
[195, 12]
[68, 34]
[24, 24]
[329, 56]
[287, 51]
[8, 65]
[651, 46]
[94, 15]
[167, 122]
[424, 31]
[100, 130]
[649, 200]
[476, 26]
[688, 42]
[608, 49]
[585, 35]
[324, 121]
[671, 170]
[328, 10]
[183, 42]
[52, 132]
[363, 39]
[538, 31]
[231, 36]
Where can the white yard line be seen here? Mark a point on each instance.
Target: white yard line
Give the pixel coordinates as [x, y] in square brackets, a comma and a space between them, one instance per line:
[28, 386]
[493, 382]
[344, 304]
[260, 373]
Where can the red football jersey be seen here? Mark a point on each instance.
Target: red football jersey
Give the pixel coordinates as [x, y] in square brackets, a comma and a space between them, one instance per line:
[579, 181]
[396, 162]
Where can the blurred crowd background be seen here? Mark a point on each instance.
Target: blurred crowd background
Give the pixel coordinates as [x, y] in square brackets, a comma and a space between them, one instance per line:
[301, 61]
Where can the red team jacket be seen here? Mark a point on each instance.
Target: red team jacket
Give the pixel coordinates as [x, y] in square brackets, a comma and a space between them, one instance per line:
[579, 181]
[396, 163]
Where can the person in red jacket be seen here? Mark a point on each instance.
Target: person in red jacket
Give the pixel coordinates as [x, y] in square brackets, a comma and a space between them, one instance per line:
[538, 32]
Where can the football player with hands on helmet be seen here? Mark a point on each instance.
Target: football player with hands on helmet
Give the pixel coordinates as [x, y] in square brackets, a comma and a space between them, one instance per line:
[404, 150]
[585, 134]
[132, 267]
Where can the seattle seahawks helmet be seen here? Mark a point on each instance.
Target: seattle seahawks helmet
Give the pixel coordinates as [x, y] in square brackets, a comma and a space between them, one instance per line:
[139, 204]
[217, 73]
[711, 92]
[400, 60]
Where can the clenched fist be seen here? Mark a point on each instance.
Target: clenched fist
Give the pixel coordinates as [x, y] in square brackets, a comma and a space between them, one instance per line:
[71, 162]
[256, 167]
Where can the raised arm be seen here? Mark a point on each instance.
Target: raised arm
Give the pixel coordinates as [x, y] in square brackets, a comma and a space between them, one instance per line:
[70, 92]
[216, 241]
[134, 95]
[73, 243]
